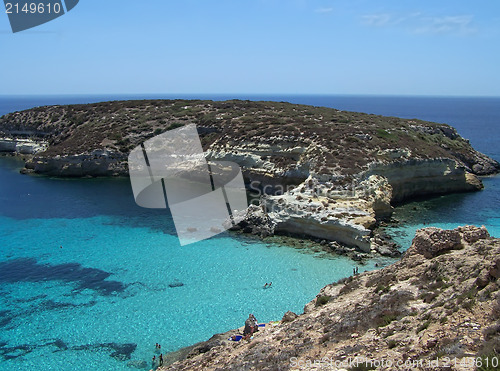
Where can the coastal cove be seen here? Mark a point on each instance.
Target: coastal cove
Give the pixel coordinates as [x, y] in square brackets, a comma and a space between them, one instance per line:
[133, 285]
[88, 279]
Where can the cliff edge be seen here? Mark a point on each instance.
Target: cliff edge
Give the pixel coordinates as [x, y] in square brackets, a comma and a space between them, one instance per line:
[439, 303]
[280, 142]
[319, 172]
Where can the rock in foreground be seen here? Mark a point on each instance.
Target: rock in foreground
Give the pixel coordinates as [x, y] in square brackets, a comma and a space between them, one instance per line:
[442, 299]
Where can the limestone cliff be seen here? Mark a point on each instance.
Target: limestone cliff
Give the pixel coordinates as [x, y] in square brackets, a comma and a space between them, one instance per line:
[22, 146]
[441, 301]
[329, 174]
[279, 143]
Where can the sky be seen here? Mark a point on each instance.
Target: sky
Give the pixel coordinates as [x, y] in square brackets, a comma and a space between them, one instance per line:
[365, 47]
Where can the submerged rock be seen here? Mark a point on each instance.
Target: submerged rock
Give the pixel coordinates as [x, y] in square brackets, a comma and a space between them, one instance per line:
[176, 284]
[139, 364]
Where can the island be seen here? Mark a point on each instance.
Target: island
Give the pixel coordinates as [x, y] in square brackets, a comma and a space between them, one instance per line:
[316, 172]
[324, 174]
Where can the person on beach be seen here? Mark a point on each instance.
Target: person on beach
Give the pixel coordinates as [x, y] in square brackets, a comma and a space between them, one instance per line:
[255, 323]
[161, 359]
[249, 326]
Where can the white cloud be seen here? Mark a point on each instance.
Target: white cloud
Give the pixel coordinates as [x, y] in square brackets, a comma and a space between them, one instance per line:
[449, 24]
[324, 10]
[420, 23]
[376, 20]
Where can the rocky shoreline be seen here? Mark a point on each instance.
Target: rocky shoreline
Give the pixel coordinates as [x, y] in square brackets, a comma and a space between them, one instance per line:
[440, 302]
[317, 172]
[323, 174]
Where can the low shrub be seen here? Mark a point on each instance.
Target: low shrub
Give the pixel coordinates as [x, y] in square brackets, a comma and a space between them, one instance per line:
[322, 300]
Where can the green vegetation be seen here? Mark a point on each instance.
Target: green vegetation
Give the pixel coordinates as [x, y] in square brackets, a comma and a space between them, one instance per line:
[467, 299]
[381, 133]
[322, 300]
[387, 319]
[175, 125]
[423, 326]
[338, 141]
[381, 288]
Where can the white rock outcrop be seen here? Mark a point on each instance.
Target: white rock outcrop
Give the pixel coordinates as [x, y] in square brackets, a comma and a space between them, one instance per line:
[22, 146]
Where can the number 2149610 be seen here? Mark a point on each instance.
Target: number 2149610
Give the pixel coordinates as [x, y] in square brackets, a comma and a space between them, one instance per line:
[32, 8]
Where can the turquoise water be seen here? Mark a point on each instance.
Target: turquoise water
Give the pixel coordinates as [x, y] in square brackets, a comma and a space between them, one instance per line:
[108, 286]
[479, 208]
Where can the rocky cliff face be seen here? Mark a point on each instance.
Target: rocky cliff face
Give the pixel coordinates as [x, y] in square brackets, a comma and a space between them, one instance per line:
[96, 163]
[420, 177]
[441, 301]
[329, 174]
[22, 146]
[268, 139]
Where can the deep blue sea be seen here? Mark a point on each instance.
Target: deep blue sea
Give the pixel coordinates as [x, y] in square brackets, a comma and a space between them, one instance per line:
[85, 273]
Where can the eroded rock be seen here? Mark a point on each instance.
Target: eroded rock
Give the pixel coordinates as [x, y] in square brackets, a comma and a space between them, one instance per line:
[431, 242]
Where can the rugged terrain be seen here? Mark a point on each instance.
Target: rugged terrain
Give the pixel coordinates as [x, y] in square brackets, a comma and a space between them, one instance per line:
[321, 172]
[271, 139]
[439, 303]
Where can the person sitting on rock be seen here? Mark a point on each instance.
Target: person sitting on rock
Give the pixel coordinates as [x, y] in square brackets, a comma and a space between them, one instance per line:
[255, 323]
[249, 326]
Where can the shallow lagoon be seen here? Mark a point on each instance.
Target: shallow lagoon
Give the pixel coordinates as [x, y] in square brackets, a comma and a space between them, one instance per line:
[85, 275]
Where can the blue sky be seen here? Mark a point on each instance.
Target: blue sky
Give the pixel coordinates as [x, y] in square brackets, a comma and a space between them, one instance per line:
[258, 47]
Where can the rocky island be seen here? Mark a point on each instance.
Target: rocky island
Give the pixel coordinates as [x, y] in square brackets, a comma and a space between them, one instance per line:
[329, 175]
[318, 172]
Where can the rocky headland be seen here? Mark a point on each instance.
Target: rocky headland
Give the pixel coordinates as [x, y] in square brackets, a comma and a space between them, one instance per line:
[317, 172]
[436, 308]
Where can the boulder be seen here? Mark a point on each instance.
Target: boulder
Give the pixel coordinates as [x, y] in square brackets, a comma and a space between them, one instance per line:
[431, 242]
[289, 317]
[203, 347]
[495, 270]
[471, 234]
[483, 279]
[254, 220]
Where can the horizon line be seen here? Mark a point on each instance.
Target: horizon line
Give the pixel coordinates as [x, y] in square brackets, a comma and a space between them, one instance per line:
[240, 95]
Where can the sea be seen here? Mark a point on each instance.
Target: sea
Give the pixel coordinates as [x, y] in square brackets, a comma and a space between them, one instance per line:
[90, 281]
